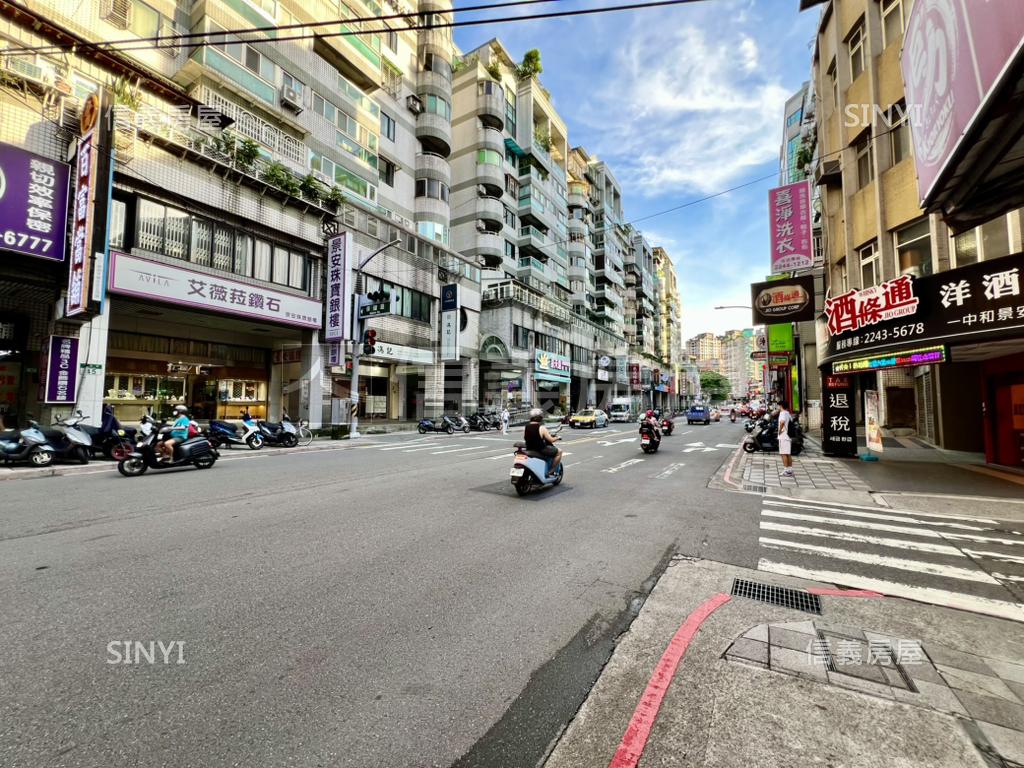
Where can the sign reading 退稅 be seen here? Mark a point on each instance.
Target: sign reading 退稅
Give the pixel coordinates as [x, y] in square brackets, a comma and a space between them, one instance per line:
[33, 203]
[838, 416]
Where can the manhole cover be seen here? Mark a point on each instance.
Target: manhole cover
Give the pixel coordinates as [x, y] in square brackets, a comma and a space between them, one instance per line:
[785, 597]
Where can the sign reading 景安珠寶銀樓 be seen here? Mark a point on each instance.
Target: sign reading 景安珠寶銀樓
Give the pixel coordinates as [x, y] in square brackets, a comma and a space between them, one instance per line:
[971, 304]
[902, 359]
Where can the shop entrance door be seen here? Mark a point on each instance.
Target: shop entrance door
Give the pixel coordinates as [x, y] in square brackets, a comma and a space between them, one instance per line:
[203, 392]
[1008, 426]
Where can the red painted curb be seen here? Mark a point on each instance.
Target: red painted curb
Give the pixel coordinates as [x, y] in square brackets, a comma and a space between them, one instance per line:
[828, 592]
[635, 738]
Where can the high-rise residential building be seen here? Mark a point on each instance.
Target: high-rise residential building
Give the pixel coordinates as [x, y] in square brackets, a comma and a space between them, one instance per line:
[668, 346]
[611, 245]
[875, 231]
[791, 164]
[736, 350]
[704, 346]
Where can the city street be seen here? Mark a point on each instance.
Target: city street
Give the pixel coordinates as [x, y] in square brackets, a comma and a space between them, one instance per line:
[390, 602]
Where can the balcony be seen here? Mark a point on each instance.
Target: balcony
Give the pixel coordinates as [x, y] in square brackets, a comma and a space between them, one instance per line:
[577, 271]
[257, 129]
[490, 108]
[492, 177]
[531, 267]
[533, 242]
[488, 248]
[432, 82]
[491, 211]
[490, 138]
[433, 166]
[434, 133]
[577, 249]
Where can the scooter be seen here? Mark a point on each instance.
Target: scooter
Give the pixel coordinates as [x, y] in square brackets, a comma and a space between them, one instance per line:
[732, 417]
[460, 423]
[766, 439]
[530, 470]
[650, 440]
[196, 451]
[479, 422]
[69, 441]
[667, 425]
[444, 424]
[759, 423]
[110, 438]
[226, 433]
[282, 433]
[26, 445]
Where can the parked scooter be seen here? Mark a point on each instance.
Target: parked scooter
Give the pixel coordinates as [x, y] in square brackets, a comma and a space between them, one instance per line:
[650, 440]
[761, 422]
[196, 451]
[479, 422]
[766, 439]
[460, 422]
[226, 433]
[530, 470]
[110, 438]
[444, 424]
[26, 445]
[69, 441]
[282, 433]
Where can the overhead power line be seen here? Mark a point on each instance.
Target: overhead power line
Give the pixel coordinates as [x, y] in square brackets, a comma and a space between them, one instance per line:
[147, 43]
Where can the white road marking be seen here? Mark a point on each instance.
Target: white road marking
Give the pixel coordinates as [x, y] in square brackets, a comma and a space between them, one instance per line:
[728, 445]
[919, 546]
[997, 556]
[988, 606]
[925, 532]
[500, 439]
[669, 470]
[608, 443]
[429, 447]
[1005, 577]
[406, 445]
[685, 433]
[623, 465]
[830, 506]
[459, 450]
[982, 539]
[882, 561]
[698, 450]
[900, 518]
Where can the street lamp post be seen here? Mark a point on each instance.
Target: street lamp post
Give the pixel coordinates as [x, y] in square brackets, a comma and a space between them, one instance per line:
[357, 328]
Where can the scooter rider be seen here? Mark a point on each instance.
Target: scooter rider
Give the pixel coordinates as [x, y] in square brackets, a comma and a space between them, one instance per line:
[651, 420]
[179, 433]
[539, 439]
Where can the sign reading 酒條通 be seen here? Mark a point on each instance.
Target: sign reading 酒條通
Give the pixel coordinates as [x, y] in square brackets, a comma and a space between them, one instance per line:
[838, 416]
[339, 269]
[776, 301]
[789, 211]
[33, 203]
[135, 276]
[62, 370]
[551, 367]
[975, 303]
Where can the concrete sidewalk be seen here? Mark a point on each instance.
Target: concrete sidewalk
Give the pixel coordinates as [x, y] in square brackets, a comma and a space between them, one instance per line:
[871, 681]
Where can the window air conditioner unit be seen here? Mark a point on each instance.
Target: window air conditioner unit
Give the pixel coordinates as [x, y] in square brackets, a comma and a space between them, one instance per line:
[291, 99]
[117, 12]
[414, 104]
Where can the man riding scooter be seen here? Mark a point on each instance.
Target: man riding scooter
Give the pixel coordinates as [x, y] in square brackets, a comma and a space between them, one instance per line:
[539, 439]
[651, 420]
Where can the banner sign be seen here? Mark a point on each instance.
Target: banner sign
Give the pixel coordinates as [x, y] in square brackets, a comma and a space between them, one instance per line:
[634, 375]
[145, 279]
[552, 367]
[954, 56]
[33, 203]
[780, 337]
[339, 295]
[383, 349]
[62, 370]
[82, 223]
[450, 322]
[902, 359]
[838, 420]
[790, 300]
[789, 209]
[872, 420]
[976, 303]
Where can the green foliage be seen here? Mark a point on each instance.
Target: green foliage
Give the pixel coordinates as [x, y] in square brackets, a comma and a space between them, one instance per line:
[246, 152]
[458, 64]
[335, 197]
[714, 385]
[126, 94]
[543, 140]
[277, 175]
[530, 66]
[312, 188]
[804, 156]
[494, 70]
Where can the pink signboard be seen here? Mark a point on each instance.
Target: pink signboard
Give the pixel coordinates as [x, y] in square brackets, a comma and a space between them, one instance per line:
[789, 209]
[955, 53]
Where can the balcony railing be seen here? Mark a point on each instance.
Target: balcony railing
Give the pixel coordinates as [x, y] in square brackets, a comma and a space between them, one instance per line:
[256, 128]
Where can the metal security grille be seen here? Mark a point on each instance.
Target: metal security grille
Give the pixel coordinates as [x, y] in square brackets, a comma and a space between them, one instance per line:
[785, 597]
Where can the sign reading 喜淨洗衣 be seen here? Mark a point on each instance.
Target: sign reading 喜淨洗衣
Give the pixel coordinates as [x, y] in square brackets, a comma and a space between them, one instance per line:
[551, 367]
[789, 212]
[33, 203]
[339, 271]
[838, 416]
[450, 322]
[135, 276]
[978, 302]
[62, 370]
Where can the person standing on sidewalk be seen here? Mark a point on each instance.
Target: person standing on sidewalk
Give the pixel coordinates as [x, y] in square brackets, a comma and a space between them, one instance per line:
[785, 443]
[505, 416]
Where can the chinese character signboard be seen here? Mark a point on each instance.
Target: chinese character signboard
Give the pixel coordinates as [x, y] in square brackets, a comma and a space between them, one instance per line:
[838, 417]
[33, 204]
[450, 322]
[135, 276]
[952, 60]
[976, 303]
[780, 338]
[634, 375]
[789, 209]
[339, 296]
[62, 370]
[907, 358]
[81, 224]
[552, 367]
[790, 300]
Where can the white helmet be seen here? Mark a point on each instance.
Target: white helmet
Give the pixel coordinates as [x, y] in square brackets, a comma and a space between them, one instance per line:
[536, 414]
[180, 409]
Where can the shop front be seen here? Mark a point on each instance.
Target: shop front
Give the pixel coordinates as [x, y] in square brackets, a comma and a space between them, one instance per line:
[950, 343]
[392, 382]
[553, 374]
[216, 344]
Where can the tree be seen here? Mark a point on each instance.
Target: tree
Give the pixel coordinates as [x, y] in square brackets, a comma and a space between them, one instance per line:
[530, 66]
[714, 385]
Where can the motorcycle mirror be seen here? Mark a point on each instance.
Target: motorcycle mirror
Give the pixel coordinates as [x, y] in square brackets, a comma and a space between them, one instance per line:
[79, 411]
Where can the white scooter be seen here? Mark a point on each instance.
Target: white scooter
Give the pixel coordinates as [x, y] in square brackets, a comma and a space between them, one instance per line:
[531, 470]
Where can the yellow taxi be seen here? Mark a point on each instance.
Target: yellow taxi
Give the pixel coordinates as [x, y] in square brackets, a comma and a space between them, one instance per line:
[591, 417]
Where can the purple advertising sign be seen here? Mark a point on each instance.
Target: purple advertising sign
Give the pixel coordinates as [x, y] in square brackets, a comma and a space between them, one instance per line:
[33, 203]
[62, 370]
[952, 60]
[789, 208]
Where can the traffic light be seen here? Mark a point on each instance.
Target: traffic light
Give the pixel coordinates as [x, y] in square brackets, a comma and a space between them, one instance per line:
[376, 304]
[369, 340]
[377, 297]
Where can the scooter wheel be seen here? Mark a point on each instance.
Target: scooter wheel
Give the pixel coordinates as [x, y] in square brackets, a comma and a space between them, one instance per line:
[82, 455]
[289, 440]
[422, 430]
[133, 466]
[41, 459]
[450, 429]
[205, 461]
[797, 449]
[120, 451]
[561, 474]
[522, 486]
[466, 429]
[749, 447]
[255, 442]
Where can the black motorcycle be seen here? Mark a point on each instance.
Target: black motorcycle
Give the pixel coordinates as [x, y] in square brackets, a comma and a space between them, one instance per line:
[668, 423]
[650, 439]
[766, 438]
[445, 424]
[478, 422]
[110, 438]
[196, 451]
[282, 433]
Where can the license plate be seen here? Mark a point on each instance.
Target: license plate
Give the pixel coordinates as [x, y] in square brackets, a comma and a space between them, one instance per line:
[645, 440]
[516, 472]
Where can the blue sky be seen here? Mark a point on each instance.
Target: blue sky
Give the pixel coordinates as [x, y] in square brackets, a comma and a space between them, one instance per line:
[682, 102]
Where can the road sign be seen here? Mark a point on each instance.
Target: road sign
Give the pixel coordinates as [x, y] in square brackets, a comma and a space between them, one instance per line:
[377, 304]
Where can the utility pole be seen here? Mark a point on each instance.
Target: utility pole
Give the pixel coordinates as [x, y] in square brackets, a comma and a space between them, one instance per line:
[357, 336]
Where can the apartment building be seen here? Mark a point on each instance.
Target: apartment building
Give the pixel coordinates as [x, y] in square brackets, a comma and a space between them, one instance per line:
[704, 346]
[668, 346]
[232, 163]
[737, 366]
[880, 244]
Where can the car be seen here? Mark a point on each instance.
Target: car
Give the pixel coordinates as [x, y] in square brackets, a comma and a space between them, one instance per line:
[716, 415]
[591, 417]
[700, 414]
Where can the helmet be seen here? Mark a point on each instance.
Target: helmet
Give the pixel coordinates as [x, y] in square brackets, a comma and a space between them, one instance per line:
[650, 414]
[536, 414]
[180, 409]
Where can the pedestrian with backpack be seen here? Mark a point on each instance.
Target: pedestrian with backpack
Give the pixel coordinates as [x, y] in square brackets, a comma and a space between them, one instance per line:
[785, 439]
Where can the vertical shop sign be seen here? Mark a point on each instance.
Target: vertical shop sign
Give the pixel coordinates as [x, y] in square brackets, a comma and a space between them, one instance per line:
[450, 322]
[62, 370]
[339, 269]
[872, 420]
[839, 422]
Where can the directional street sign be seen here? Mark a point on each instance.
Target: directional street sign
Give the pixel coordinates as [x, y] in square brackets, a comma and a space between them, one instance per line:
[377, 304]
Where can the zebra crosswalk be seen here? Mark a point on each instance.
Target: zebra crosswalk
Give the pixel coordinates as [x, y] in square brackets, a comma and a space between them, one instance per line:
[969, 563]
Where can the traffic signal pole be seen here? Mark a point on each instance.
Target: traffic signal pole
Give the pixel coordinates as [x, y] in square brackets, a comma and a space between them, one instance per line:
[357, 336]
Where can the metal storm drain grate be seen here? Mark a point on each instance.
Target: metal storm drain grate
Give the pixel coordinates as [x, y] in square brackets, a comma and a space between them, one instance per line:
[796, 599]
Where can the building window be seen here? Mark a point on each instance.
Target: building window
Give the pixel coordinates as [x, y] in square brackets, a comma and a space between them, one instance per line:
[520, 337]
[892, 22]
[989, 241]
[390, 38]
[899, 133]
[436, 64]
[510, 111]
[387, 126]
[432, 231]
[842, 277]
[432, 188]
[143, 20]
[438, 106]
[290, 81]
[488, 157]
[510, 218]
[510, 250]
[855, 45]
[833, 81]
[865, 151]
[868, 257]
[914, 249]
[489, 88]
[386, 171]
[411, 303]
[794, 118]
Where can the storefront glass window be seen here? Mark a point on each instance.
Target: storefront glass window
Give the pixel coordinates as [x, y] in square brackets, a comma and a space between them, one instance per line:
[995, 239]
[965, 245]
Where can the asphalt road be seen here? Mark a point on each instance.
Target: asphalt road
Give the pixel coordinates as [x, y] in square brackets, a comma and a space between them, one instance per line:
[383, 603]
